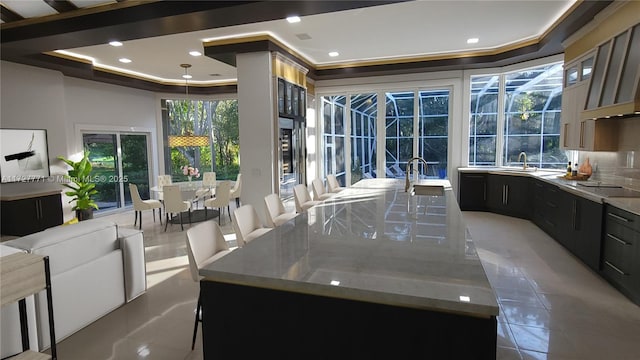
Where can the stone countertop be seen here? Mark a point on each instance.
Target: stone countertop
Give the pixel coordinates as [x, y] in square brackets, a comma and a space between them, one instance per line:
[371, 242]
[27, 190]
[555, 177]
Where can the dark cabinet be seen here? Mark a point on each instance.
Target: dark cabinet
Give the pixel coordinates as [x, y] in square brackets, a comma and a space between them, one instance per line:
[291, 99]
[509, 195]
[546, 210]
[473, 191]
[27, 216]
[621, 251]
[581, 229]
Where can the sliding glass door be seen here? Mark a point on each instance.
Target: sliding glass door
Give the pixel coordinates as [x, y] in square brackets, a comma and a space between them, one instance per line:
[118, 159]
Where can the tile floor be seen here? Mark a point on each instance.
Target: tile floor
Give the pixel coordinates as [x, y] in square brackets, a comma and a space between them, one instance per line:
[551, 305]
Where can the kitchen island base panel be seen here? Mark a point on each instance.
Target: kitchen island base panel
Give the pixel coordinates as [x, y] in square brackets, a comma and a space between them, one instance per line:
[248, 322]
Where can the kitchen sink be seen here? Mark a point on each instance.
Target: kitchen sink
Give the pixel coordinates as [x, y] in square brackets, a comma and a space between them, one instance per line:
[517, 169]
[428, 190]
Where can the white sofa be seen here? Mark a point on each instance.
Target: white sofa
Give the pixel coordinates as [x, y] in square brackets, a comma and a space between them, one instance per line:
[95, 268]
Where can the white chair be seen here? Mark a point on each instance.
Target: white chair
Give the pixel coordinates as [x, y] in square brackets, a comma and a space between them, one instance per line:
[140, 205]
[162, 181]
[302, 199]
[247, 225]
[173, 204]
[333, 184]
[221, 200]
[208, 184]
[205, 244]
[276, 214]
[237, 189]
[319, 191]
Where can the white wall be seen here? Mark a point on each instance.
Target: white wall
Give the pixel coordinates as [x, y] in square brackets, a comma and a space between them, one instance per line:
[45, 99]
[34, 98]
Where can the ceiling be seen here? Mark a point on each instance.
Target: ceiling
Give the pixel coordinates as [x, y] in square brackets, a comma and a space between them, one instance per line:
[372, 37]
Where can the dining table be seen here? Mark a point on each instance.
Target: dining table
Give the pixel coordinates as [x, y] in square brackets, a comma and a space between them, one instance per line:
[189, 190]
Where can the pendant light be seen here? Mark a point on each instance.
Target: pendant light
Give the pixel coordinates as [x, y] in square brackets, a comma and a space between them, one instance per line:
[187, 139]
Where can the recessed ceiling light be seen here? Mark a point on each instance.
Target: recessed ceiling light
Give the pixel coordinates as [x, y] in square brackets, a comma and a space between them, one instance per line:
[115, 43]
[334, 53]
[293, 19]
[186, 76]
[472, 40]
[124, 60]
[195, 53]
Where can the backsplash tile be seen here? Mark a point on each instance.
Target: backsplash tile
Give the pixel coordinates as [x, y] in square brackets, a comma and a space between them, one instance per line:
[622, 166]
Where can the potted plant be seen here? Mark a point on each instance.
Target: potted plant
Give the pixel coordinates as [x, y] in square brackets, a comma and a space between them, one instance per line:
[82, 187]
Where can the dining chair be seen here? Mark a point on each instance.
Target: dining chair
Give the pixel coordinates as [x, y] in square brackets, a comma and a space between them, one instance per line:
[140, 205]
[247, 225]
[302, 199]
[333, 184]
[205, 244]
[208, 185]
[173, 204]
[237, 189]
[319, 191]
[276, 214]
[162, 181]
[221, 200]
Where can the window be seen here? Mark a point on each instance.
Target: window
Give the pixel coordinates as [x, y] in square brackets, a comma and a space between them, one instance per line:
[529, 120]
[213, 120]
[484, 120]
[364, 114]
[416, 123]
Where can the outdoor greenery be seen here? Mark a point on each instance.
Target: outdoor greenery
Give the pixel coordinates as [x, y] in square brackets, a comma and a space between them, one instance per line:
[217, 119]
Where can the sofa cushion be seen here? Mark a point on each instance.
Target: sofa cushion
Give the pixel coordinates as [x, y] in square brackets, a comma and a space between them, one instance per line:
[72, 245]
[81, 296]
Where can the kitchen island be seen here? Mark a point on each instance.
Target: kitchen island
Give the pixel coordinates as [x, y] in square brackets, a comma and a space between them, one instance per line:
[371, 272]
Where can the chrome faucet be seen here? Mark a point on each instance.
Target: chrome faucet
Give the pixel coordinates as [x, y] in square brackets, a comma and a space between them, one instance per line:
[407, 183]
[524, 165]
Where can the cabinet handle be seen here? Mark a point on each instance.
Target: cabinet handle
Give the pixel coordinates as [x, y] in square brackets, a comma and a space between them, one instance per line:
[37, 209]
[619, 217]
[581, 134]
[615, 268]
[474, 176]
[484, 191]
[550, 204]
[506, 194]
[40, 206]
[618, 239]
[574, 214]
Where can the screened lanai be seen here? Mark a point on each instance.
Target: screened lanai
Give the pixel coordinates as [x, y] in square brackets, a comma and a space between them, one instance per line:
[529, 121]
[411, 128]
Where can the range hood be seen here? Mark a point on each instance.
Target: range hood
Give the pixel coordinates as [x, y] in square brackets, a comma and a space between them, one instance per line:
[614, 89]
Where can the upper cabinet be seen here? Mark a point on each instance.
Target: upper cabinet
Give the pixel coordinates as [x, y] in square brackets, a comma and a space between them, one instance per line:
[291, 99]
[613, 89]
[578, 133]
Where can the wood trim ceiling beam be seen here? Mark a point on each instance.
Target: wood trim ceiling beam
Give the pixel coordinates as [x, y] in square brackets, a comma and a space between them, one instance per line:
[7, 15]
[61, 6]
[27, 41]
